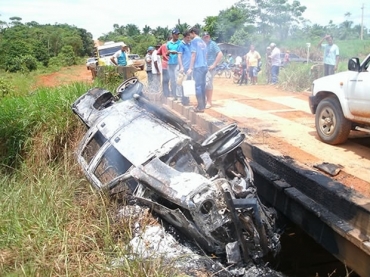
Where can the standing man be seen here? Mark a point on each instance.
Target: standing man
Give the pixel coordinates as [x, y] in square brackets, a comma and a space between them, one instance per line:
[162, 51]
[230, 60]
[331, 55]
[268, 64]
[244, 75]
[214, 56]
[253, 59]
[198, 66]
[172, 46]
[148, 65]
[238, 60]
[184, 57]
[120, 56]
[286, 57]
[275, 63]
[156, 71]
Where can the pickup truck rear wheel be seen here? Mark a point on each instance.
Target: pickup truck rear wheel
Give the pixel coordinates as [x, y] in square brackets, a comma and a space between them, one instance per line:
[331, 125]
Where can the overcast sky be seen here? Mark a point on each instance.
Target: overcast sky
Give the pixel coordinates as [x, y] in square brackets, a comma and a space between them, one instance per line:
[98, 17]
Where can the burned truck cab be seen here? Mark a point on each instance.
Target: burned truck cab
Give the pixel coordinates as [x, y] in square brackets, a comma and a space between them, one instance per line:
[204, 189]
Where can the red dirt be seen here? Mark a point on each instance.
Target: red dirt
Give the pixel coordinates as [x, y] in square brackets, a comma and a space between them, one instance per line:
[275, 120]
[65, 76]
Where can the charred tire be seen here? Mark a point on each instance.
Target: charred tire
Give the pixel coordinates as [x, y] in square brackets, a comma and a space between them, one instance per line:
[129, 87]
[219, 135]
[228, 146]
[331, 125]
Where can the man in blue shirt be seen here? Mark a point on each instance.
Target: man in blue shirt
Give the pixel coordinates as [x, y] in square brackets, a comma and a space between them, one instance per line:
[121, 57]
[214, 57]
[172, 47]
[331, 55]
[184, 58]
[198, 66]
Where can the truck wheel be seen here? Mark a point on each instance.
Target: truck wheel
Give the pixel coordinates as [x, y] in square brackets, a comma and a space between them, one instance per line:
[331, 125]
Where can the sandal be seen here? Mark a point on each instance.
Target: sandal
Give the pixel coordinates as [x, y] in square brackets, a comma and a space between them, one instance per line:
[198, 110]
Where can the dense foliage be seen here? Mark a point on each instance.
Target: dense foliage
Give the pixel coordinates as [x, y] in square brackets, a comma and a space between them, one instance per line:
[23, 47]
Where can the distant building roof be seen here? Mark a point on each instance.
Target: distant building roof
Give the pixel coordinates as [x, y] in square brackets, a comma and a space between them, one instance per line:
[229, 48]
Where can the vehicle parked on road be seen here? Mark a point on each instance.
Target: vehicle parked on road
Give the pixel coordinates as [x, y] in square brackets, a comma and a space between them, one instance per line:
[136, 60]
[91, 63]
[106, 51]
[293, 58]
[341, 102]
[147, 154]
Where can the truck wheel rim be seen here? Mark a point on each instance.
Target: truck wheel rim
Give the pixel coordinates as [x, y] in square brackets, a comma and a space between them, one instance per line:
[327, 121]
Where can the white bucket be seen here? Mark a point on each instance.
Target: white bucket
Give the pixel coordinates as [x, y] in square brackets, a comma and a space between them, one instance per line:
[189, 87]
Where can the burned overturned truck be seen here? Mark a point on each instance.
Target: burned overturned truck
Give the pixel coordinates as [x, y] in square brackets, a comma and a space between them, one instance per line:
[204, 189]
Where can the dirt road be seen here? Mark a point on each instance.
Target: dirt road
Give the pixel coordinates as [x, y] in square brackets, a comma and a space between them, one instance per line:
[275, 120]
[282, 122]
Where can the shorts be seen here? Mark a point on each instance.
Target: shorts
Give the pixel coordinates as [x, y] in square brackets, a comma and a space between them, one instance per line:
[209, 79]
[253, 71]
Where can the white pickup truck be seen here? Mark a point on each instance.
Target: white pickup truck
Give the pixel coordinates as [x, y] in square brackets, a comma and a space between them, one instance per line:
[341, 102]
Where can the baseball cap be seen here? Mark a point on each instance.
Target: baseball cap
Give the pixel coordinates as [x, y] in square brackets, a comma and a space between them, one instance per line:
[150, 48]
[175, 31]
[272, 44]
[205, 34]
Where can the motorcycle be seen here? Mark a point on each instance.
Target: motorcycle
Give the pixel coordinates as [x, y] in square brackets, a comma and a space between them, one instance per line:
[237, 73]
[224, 68]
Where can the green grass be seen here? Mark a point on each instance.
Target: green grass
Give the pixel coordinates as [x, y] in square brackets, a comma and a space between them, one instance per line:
[299, 77]
[52, 223]
[347, 48]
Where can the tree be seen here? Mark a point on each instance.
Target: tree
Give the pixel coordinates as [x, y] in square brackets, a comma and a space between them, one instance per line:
[161, 34]
[132, 30]
[15, 21]
[275, 17]
[231, 20]
[211, 25]
[240, 37]
[182, 27]
[67, 55]
[146, 30]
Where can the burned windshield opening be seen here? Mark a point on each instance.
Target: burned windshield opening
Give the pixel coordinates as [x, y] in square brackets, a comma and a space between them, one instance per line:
[93, 146]
[111, 165]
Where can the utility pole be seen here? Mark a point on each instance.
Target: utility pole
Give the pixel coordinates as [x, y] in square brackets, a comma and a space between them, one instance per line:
[362, 23]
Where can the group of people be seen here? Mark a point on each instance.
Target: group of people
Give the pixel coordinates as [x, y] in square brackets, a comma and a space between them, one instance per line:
[250, 65]
[194, 57]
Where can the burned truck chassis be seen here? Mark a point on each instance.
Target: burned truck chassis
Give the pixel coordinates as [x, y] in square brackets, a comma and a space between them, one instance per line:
[204, 189]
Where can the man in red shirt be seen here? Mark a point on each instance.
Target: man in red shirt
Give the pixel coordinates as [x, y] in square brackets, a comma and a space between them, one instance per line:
[162, 51]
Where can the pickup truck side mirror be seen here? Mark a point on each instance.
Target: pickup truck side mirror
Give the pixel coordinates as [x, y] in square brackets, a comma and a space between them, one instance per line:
[354, 64]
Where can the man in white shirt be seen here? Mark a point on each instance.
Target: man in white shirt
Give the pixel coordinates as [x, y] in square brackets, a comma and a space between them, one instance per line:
[275, 63]
[156, 71]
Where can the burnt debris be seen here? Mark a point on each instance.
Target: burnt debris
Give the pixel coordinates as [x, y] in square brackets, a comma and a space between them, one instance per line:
[204, 189]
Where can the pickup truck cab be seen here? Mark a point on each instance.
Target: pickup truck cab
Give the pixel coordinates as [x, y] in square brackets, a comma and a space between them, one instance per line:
[341, 102]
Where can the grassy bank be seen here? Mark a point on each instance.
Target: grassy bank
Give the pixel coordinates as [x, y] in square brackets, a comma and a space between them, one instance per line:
[51, 222]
